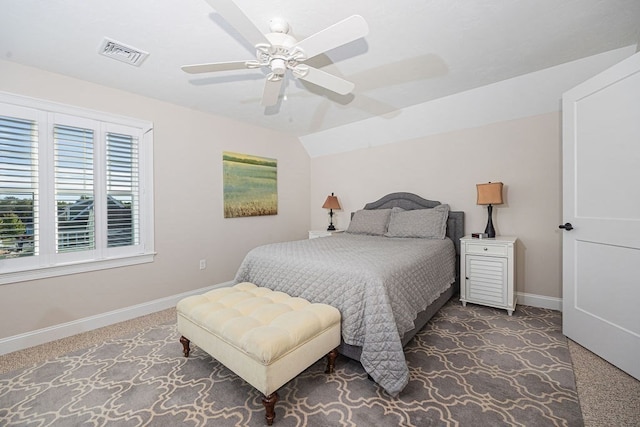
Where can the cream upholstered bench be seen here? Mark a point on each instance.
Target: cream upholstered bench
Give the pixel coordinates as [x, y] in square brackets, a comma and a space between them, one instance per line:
[265, 337]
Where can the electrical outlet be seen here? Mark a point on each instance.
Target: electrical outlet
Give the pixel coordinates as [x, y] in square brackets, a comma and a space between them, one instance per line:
[203, 264]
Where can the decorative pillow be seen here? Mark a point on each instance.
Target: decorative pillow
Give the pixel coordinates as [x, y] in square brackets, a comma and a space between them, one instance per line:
[372, 222]
[425, 223]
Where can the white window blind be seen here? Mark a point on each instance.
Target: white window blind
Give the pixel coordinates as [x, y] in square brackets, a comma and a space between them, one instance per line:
[122, 190]
[18, 186]
[75, 190]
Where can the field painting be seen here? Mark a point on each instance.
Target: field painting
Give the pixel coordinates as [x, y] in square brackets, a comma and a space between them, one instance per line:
[250, 185]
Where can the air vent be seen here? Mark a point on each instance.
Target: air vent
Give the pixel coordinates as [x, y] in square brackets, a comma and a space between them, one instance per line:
[122, 52]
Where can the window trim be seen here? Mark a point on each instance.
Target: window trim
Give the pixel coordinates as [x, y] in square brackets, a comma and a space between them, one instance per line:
[110, 259]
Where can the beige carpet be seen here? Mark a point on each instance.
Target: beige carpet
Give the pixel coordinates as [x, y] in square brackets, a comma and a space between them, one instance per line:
[608, 396]
[40, 353]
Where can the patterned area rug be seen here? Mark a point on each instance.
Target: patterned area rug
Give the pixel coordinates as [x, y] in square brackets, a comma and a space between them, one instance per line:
[470, 366]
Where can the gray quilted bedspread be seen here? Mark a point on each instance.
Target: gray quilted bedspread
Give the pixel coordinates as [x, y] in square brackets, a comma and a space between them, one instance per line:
[379, 284]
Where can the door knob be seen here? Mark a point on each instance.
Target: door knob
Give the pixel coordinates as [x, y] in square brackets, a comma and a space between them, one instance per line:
[567, 226]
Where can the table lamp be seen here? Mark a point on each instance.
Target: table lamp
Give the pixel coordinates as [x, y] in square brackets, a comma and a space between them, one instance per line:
[331, 203]
[490, 194]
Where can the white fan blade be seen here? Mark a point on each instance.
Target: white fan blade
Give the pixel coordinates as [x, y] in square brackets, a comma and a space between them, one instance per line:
[236, 17]
[326, 80]
[215, 66]
[271, 92]
[343, 32]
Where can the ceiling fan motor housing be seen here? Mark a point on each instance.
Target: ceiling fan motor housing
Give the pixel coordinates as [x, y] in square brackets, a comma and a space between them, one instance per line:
[281, 54]
[279, 25]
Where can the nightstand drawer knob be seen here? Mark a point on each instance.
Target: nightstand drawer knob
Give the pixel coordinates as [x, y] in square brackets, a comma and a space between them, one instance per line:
[486, 249]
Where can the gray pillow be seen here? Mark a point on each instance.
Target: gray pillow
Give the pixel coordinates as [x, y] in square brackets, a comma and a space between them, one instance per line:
[424, 223]
[372, 222]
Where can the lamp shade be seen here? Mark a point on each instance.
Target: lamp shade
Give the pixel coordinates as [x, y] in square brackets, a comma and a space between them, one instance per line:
[490, 193]
[331, 202]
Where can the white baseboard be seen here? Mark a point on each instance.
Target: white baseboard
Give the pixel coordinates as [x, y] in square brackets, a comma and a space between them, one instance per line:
[540, 301]
[63, 330]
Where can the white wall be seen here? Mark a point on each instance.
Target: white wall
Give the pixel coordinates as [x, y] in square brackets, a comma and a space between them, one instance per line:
[189, 223]
[524, 154]
[509, 131]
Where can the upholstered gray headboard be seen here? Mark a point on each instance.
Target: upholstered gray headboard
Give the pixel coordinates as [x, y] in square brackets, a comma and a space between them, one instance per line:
[410, 201]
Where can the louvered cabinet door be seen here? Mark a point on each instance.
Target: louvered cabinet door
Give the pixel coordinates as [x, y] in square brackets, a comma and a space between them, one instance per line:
[487, 268]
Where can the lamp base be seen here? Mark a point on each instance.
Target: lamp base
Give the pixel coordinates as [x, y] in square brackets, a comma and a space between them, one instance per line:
[331, 227]
[490, 231]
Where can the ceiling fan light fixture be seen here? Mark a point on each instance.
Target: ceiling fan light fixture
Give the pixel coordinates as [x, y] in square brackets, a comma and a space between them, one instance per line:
[280, 51]
[278, 66]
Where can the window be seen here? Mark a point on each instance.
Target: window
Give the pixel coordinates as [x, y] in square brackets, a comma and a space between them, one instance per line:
[75, 190]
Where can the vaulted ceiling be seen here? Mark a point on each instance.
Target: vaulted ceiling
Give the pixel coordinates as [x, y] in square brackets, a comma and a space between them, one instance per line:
[415, 51]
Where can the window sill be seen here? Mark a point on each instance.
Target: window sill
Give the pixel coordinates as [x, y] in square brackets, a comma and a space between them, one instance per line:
[74, 268]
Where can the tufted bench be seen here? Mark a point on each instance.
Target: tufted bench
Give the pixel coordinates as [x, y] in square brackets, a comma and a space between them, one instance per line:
[267, 338]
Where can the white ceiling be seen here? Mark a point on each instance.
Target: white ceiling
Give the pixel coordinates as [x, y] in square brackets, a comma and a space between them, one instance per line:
[416, 50]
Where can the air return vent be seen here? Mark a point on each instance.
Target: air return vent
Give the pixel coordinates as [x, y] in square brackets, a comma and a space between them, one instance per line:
[122, 52]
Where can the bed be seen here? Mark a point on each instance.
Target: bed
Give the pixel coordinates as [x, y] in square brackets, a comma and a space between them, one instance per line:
[388, 274]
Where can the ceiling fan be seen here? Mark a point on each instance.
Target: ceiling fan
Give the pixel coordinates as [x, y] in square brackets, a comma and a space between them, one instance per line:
[279, 51]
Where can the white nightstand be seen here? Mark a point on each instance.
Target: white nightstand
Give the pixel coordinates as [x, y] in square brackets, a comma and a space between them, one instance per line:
[323, 233]
[487, 272]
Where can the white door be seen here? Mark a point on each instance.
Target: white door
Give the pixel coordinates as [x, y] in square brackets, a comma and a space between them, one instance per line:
[601, 201]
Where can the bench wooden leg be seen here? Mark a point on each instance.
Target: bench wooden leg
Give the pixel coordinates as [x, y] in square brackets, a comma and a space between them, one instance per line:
[185, 345]
[269, 403]
[331, 361]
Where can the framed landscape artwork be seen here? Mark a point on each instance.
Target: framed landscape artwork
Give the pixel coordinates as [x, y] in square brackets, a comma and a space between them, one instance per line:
[250, 185]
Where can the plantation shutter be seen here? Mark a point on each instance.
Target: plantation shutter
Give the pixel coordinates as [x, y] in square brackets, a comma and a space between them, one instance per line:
[74, 188]
[123, 207]
[18, 186]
